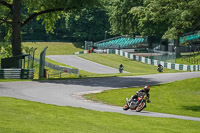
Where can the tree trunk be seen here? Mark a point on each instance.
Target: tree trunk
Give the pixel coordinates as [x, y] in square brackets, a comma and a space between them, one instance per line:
[150, 42]
[176, 44]
[16, 28]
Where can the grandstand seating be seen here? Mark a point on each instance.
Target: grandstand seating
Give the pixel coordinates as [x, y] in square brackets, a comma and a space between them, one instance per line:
[121, 42]
[125, 42]
[190, 37]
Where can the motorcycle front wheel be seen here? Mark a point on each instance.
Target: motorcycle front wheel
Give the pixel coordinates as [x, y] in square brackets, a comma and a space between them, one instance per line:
[141, 106]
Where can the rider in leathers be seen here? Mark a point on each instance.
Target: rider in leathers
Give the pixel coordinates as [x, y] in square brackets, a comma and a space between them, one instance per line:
[121, 67]
[145, 90]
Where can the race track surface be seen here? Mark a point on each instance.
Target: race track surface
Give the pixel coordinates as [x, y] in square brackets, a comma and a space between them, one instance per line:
[83, 64]
[69, 92]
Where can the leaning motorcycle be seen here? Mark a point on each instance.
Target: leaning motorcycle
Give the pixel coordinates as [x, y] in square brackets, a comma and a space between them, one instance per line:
[136, 104]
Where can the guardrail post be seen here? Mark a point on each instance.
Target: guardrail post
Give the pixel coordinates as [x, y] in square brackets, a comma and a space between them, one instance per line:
[42, 63]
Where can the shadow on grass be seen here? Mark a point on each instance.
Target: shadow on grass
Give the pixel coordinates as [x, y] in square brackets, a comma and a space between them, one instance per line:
[193, 108]
[78, 44]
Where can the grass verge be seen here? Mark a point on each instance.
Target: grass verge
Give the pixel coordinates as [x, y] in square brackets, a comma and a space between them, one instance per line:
[180, 97]
[54, 48]
[20, 116]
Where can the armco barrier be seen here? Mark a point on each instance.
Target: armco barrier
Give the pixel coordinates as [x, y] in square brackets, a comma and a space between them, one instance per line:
[61, 68]
[16, 73]
[156, 62]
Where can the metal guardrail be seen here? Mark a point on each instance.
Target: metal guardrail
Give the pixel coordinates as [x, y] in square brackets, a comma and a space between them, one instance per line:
[16, 73]
[61, 68]
[59, 74]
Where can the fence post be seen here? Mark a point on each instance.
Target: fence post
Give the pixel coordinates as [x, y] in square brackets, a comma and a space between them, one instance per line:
[42, 63]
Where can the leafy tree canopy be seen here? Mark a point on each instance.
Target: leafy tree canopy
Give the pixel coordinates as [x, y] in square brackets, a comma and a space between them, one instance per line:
[90, 24]
[121, 20]
[48, 11]
[168, 18]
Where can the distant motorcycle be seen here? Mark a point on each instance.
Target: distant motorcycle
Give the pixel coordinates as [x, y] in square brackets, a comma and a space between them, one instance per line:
[160, 69]
[136, 104]
[121, 69]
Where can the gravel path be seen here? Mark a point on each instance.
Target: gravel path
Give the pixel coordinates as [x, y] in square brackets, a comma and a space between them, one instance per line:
[69, 92]
[83, 64]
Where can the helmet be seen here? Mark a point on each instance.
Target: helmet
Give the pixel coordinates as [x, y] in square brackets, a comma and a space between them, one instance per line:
[146, 89]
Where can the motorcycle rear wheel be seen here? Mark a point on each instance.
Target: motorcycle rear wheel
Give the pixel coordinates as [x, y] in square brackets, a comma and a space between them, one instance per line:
[126, 107]
[141, 107]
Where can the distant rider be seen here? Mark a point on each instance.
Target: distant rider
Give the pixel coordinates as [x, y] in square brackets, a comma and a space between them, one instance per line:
[159, 65]
[145, 90]
[121, 67]
[160, 68]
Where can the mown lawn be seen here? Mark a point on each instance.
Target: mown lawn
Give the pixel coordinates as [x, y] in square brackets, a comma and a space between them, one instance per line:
[54, 48]
[20, 116]
[180, 97]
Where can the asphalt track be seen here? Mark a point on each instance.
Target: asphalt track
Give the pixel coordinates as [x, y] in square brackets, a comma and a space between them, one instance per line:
[69, 92]
[83, 64]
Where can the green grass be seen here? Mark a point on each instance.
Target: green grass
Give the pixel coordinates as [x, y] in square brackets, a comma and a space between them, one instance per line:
[180, 97]
[134, 67]
[12, 80]
[54, 48]
[20, 116]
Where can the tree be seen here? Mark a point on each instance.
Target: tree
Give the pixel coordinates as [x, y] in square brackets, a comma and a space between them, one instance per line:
[165, 18]
[89, 25]
[121, 20]
[48, 11]
[35, 31]
[171, 17]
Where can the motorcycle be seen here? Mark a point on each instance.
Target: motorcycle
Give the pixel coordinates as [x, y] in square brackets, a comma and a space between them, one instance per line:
[121, 69]
[160, 69]
[136, 104]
